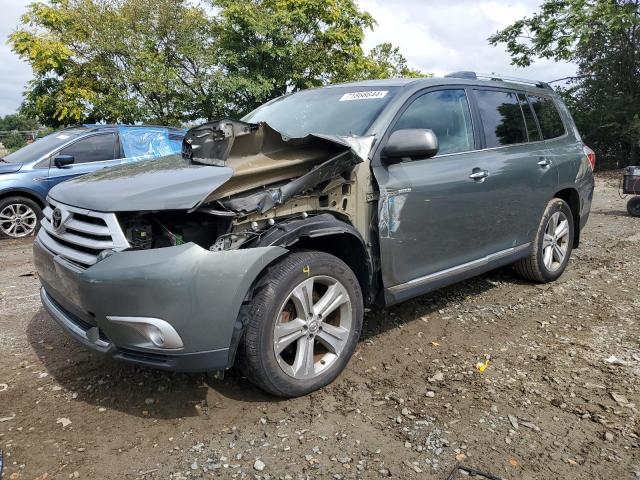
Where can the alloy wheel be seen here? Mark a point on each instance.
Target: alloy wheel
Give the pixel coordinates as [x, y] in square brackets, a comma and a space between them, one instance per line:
[312, 327]
[555, 243]
[18, 220]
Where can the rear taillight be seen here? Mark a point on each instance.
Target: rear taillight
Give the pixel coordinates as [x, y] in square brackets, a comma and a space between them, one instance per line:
[591, 156]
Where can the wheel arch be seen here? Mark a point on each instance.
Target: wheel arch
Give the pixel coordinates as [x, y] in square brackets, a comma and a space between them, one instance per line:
[572, 197]
[328, 234]
[324, 233]
[17, 192]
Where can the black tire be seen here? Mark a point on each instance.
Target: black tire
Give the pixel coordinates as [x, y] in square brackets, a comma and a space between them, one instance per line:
[533, 268]
[633, 206]
[22, 203]
[258, 359]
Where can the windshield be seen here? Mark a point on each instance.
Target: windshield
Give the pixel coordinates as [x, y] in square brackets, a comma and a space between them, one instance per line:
[331, 111]
[42, 146]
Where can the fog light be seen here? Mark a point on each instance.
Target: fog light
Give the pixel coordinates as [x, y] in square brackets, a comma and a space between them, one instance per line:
[157, 332]
[155, 335]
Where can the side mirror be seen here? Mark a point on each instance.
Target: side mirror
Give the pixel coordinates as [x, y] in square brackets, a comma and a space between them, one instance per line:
[410, 143]
[63, 160]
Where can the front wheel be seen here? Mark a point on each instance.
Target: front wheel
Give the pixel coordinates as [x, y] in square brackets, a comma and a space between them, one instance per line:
[304, 322]
[552, 246]
[633, 206]
[19, 217]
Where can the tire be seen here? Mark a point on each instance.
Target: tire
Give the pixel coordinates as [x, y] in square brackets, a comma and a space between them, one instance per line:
[633, 206]
[19, 217]
[276, 311]
[537, 267]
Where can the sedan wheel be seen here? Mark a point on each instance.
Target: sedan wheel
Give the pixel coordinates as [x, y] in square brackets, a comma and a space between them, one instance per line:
[18, 220]
[312, 327]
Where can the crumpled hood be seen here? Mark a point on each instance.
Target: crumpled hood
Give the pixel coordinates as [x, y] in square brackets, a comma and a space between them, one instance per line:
[219, 160]
[10, 167]
[168, 183]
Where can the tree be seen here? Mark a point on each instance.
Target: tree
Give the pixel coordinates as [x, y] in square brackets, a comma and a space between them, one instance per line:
[383, 61]
[114, 60]
[17, 121]
[13, 141]
[603, 38]
[173, 61]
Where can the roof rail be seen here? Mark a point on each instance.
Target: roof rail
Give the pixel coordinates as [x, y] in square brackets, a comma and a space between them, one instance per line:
[497, 78]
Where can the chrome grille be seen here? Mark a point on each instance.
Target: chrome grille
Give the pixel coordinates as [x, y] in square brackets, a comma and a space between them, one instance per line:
[81, 234]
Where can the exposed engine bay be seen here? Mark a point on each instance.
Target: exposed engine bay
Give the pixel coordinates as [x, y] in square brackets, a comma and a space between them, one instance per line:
[275, 179]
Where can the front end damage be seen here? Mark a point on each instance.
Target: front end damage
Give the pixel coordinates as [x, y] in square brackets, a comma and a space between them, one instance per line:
[152, 262]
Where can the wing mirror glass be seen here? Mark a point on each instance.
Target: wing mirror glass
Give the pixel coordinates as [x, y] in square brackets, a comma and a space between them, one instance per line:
[410, 143]
[63, 160]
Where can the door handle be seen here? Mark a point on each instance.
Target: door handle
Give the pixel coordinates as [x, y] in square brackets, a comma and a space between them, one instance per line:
[479, 175]
[545, 162]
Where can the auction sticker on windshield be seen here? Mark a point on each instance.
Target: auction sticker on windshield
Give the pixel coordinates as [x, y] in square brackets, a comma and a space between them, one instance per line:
[363, 95]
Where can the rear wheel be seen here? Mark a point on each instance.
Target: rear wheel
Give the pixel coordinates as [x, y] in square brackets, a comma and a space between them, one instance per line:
[633, 206]
[304, 323]
[552, 246]
[19, 217]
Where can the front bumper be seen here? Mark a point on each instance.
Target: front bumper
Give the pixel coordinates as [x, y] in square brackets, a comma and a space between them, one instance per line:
[185, 289]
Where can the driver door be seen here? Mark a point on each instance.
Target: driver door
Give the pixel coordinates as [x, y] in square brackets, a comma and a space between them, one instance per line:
[433, 216]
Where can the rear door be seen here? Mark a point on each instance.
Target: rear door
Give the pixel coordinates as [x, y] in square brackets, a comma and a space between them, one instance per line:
[91, 153]
[564, 151]
[521, 175]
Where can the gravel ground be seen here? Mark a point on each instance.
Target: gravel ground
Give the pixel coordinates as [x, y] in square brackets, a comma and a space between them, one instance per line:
[558, 398]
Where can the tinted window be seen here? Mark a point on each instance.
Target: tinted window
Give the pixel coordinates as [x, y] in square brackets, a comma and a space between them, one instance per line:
[529, 118]
[548, 117]
[446, 112]
[501, 116]
[93, 149]
[43, 146]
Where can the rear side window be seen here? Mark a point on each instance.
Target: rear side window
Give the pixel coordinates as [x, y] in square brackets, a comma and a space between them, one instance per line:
[529, 119]
[96, 148]
[548, 117]
[447, 113]
[501, 116]
[149, 142]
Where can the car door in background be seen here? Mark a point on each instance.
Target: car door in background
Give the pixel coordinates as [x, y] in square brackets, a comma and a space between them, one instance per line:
[91, 153]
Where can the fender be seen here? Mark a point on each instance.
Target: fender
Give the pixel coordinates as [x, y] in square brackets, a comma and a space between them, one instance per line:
[307, 231]
[289, 232]
[23, 192]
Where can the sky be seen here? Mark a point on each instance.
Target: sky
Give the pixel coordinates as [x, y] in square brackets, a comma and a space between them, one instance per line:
[436, 36]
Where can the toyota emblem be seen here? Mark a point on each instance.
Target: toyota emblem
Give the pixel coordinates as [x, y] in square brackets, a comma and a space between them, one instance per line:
[56, 219]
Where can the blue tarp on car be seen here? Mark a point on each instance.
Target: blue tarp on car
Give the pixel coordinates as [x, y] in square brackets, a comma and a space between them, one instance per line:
[149, 142]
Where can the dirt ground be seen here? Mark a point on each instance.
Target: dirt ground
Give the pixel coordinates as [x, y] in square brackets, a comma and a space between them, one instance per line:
[558, 399]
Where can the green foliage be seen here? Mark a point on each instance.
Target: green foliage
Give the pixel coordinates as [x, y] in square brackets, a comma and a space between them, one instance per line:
[17, 121]
[603, 38]
[175, 61]
[13, 141]
[384, 61]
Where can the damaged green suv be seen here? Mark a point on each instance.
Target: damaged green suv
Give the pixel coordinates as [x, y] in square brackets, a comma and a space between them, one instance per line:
[263, 243]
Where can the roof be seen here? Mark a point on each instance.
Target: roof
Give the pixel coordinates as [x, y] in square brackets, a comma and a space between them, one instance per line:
[454, 79]
[113, 126]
